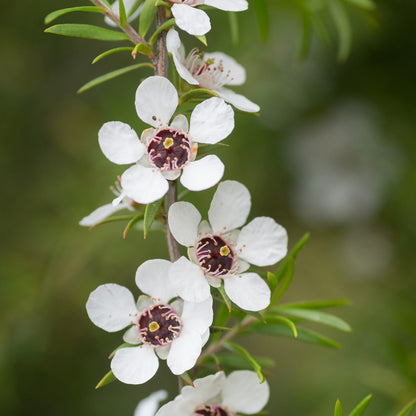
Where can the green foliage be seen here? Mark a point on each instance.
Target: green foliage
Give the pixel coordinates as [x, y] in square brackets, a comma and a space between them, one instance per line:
[110, 52]
[338, 409]
[142, 48]
[165, 26]
[57, 13]
[122, 13]
[261, 8]
[343, 26]
[146, 17]
[130, 224]
[107, 379]
[202, 39]
[111, 75]
[87, 31]
[362, 406]
[196, 93]
[408, 409]
[283, 321]
[233, 21]
[150, 214]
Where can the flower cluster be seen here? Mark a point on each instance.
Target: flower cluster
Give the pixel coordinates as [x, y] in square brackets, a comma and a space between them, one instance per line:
[172, 316]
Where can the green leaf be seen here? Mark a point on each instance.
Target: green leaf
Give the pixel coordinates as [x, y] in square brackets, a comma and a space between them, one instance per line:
[150, 215]
[165, 26]
[232, 18]
[204, 148]
[54, 15]
[285, 276]
[360, 408]
[111, 75]
[122, 13]
[247, 357]
[224, 296]
[202, 39]
[142, 48]
[110, 52]
[196, 93]
[282, 320]
[131, 223]
[306, 32]
[87, 31]
[187, 379]
[304, 335]
[407, 409]
[221, 319]
[343, 26]
[299, 245]
[318, 304]
[146, 17]
[112, 219]
[273, 282]
[314, 316]
[107, 379]
[232, 361]
[338, 409]
[261, 9]
[106, 3]
[363, 4]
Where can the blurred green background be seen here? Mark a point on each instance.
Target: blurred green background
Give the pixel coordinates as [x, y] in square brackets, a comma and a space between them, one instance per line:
[333, 152]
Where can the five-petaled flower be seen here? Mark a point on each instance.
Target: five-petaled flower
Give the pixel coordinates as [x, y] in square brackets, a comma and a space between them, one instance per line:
[220, 252]
[159, 327]
[150, 405]
[218, 395]
[166, 150]
[196, 22]
[211, 71]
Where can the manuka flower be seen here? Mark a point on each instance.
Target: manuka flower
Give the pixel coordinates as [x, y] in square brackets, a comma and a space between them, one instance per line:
[150, 405]
[211, 71]
[219, 252]
[175, 331]
[131, 13]
[218, 395]
[196, 22]
[166, 150]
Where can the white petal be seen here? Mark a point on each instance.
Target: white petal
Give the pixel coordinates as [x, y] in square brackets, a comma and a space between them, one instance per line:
[194, 21]
[262, 242]
[128, 4]
[203, 173]
[163, 352]
[238, 100]
[241, 266]
[143, 303]
[197, 316]
[156, 100]
[171, 175]
[248, 291]
[120, 143]
[180, 122]
[206, 388]
[236, 72]
[184, 351]
[183, 219]
[175, 47]
[213, 281]
[111, 307]
[152, 277]
[132, 336]
[211, 121]
[230, 206]
[144, 185]
[243, 392]
[135, 365]
[205, 337]
[101, 214]
[228, 5]
[189, 281]
[204, 227]
[177, 407]
[149, 405]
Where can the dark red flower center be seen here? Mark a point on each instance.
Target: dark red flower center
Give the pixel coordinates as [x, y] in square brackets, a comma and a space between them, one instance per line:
[211, 410]
[215, 256]
[159, 325]
[169, 149]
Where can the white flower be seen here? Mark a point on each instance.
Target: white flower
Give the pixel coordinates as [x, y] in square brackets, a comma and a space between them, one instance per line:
[128, 5]
[220, 252]
[167, 149]
[174, 331]
[218, 395]
[196, 22]
[103, 212]
[149, 405]
[211, 71]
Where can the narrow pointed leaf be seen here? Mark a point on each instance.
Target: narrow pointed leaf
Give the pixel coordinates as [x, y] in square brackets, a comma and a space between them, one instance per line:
[112, 219]
[273, 282]
[146, 17]
[87, 31]
[107, 379]
[57, 13]
[343, 26]
[338, 409]
[150, 214]
[225, 298]
[285, 276]
[122, 13]
[187, 379]
[261, 9]
[202, 39]
[142, 48]
[318, 304]
[284, 321]
[196, 93]
[110, 52]
[220, 320]
[111, 75]
[232, 18]
[131, 223]
[360, 408]
[363, 4]
[314, 316]
[165, 26]
[247, 357]
[408, 408]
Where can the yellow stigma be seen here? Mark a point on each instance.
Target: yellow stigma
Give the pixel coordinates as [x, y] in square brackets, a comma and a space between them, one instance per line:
[224, 251]
[168, 142]
[153, 326]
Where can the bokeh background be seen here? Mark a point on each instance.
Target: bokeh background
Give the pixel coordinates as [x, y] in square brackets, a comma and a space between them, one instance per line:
[333, 152]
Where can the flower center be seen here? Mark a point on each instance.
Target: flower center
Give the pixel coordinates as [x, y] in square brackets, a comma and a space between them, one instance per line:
[169, 149]
[209, 73]
[211, 410]
[214, 255]
[159, 325]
